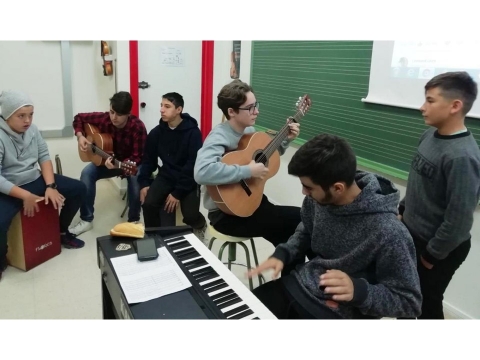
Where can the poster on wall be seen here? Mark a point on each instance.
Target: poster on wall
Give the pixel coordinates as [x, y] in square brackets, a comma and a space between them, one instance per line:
[235, 59]
[172, 56]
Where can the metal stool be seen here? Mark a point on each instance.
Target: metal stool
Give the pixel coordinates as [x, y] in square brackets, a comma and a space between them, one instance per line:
[231, 242]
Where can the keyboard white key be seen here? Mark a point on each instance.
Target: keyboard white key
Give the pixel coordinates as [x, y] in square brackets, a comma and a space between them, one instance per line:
[234, 289]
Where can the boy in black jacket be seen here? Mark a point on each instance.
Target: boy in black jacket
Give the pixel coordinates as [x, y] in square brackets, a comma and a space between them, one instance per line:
[176, 141]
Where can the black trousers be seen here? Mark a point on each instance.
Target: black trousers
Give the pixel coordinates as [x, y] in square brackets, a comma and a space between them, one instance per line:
[286, 305]
[272, 222]
[435, 281]
[155, 203]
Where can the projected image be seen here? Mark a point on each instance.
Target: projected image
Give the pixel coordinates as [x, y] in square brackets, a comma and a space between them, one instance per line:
[425, 59]
[400, 69]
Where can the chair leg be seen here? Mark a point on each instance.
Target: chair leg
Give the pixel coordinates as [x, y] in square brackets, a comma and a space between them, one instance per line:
[210, 244]
[254, 250]
[126, 206]
[220, 252]
[232, 254]
[249, 266]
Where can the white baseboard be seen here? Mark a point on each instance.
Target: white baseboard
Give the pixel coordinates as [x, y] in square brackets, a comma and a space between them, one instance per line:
[451, 312]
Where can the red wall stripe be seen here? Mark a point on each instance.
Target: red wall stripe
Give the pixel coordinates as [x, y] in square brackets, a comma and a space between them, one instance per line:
[207, 88]
[134, 77]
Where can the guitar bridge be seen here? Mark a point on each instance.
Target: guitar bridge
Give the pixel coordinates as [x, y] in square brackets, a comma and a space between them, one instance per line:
[245, 187]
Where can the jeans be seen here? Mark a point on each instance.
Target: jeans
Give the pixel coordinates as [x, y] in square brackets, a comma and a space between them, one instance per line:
[91, 173]
[73, 191]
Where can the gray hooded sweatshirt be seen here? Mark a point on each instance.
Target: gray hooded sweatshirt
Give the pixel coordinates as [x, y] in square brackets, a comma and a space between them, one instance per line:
[365, 240]
[19, 155]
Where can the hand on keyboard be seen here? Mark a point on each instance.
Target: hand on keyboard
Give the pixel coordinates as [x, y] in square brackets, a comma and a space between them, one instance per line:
[271, 263]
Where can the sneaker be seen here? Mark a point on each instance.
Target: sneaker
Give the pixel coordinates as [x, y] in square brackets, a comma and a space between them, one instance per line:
[200, 233]
[69, 241]
[81, 227]
[3, 267]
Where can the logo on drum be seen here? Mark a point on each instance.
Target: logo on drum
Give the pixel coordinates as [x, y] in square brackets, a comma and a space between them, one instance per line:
[43, 247]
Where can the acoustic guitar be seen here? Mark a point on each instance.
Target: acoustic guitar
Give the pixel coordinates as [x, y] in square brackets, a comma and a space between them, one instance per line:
[105, 53]
[243, 198]
[100, 148]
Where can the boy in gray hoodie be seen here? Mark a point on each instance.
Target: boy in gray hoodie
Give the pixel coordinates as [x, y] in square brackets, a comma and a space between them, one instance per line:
[364, 264]
[22, 184]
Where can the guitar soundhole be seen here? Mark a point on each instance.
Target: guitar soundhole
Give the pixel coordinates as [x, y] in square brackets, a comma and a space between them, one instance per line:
[260, 157]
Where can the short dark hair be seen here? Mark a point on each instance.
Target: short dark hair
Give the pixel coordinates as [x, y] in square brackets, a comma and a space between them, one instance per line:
[175, 98]
[233, 95]
[325, 159]
[456, 85]
[121, 103]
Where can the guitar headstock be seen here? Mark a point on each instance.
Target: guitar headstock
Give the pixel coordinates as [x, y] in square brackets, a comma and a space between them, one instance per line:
[129, 167]
[303, 104]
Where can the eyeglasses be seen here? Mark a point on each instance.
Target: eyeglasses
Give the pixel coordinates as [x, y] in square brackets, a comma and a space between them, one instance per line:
[251, 108]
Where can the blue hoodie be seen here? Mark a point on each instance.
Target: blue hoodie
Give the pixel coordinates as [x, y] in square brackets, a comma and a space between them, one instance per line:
[177, 150]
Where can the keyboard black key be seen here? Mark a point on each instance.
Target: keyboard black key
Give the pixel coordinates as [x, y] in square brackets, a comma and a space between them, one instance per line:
[239, 312]
[173, 239]
[201, 271]
[225, 298]
[181, 253]
[202, 278]
[229, 303]
[221, 294]
[213, 283]
[242, 314]
[189, 256]
[256, 318]
[201, 274]
[196, 263]
[180, 245]
[216, 287]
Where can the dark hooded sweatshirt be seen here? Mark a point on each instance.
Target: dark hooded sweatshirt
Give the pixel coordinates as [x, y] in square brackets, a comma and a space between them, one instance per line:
[177, 149]
[365, 240]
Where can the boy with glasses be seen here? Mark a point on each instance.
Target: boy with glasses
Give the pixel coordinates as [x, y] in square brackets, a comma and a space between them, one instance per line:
[240, 107]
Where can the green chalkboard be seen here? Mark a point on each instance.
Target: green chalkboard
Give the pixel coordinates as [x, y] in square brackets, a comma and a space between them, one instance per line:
[336, 75]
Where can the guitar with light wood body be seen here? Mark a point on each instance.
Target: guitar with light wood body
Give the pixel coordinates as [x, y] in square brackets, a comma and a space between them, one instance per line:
[100, 148]
[243, 198]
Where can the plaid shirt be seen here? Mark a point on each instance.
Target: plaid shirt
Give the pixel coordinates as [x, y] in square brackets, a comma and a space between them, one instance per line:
[128, 143]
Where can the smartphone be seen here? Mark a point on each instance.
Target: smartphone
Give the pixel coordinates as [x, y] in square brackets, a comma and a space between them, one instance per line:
[146, 249]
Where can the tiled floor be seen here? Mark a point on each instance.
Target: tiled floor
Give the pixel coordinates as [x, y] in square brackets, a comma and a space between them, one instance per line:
[68, 286]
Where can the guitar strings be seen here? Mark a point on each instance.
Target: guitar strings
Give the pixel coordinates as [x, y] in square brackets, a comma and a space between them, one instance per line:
[100, 152]
[273, 145]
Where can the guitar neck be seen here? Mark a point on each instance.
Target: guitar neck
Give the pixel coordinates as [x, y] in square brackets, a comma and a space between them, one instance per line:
[281, 135]
[105, 156]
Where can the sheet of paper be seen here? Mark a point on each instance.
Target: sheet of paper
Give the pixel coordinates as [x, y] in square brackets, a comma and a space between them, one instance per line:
[146, 280]
[172, 56]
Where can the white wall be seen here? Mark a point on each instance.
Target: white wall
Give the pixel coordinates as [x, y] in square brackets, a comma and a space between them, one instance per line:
[44, 86]
[91, 90]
